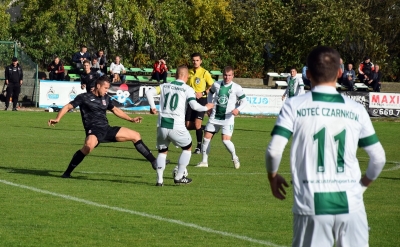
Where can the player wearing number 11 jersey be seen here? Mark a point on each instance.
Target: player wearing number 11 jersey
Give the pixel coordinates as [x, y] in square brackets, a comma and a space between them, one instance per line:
[327, 182]
[174, 98]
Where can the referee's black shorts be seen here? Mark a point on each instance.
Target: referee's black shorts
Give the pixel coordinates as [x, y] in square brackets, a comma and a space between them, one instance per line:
[104, 134]
[192, 115]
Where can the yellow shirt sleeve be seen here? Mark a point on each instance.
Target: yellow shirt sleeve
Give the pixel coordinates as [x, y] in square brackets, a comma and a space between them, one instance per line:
[209, 80]
[158, 90]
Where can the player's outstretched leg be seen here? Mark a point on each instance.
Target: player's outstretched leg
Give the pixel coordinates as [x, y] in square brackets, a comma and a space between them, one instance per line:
[183, 161]
[231, 148]
[75, 161]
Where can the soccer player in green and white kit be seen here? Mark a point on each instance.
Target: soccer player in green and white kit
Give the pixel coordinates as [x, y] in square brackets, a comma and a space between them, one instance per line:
[327, 181]
[174, 98]
[295, 85]
[226, 95]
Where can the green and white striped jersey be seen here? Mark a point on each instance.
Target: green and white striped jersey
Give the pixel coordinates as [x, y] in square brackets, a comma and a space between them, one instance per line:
[327, 128]
[225, 98]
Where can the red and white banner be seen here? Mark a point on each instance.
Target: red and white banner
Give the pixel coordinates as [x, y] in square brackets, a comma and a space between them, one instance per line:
[384, 100]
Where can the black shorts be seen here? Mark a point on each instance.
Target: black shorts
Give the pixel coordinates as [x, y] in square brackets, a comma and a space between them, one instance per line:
[107, 134]
[192, 115]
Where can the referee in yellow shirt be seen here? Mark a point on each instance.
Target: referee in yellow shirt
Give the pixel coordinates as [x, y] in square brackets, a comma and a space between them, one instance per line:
[201, 81]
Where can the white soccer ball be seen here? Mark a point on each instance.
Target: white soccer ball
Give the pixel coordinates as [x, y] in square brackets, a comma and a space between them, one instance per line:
[175, 171]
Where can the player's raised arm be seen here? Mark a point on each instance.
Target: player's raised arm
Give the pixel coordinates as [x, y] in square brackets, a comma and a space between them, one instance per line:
[60, 114]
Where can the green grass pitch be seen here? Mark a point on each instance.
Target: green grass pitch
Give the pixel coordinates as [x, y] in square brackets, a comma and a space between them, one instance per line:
[113, 201]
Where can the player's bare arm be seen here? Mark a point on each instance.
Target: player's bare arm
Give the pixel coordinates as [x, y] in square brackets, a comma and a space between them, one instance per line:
[121, 114]
[235, 112]
[60, 114]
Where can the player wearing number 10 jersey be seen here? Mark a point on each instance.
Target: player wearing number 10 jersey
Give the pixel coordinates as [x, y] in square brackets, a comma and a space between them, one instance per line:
[174, 98]
[327, 182]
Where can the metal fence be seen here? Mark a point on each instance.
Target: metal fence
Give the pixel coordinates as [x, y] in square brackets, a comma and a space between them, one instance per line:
[29, 91]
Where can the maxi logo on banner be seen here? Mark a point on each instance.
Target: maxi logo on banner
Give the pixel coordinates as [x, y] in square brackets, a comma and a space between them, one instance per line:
[377, 104]
[385, 104]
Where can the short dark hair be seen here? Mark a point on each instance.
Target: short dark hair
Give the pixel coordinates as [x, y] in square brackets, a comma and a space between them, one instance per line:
[196, 54]
[83, 46]
[102, 79]
[228, 68]
[86, 61]
[323, 63]
[293, 68]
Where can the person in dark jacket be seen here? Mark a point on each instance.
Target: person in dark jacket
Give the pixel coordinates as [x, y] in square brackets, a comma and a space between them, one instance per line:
[81, 56]
[88, 77]
[14, 77]
[365, 70]
[56, 70]
[376, 78]
[102, 59]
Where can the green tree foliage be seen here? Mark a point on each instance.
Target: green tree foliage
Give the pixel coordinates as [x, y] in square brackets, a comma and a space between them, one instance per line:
[5, 21]
[254, 36]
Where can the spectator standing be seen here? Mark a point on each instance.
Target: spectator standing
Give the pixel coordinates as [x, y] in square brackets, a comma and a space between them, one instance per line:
[328, 185]
[229, 101]
[117, 68]
[365, 70]
[102, 60]
[81, 56]
[375, 82]
[306, 81]
[56, 70]
[160, 71]
[340, 79]
[295, 85]
[93, 106]
[201, 81]
[348, 77]
[175, 97]
[14, 76]
[88, 77]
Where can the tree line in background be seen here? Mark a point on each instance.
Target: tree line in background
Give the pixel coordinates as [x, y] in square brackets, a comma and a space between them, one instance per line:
[254, 36]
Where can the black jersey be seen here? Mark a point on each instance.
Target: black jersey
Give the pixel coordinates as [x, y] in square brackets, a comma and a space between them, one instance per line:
[93, 109]
[89, 80]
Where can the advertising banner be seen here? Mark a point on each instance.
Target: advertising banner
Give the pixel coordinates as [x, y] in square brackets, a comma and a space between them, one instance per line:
[58, 93]
[263, 101]
[131, 96]
[384, 104]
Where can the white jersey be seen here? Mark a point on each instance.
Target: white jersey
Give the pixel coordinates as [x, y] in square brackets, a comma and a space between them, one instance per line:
[174, 98]
[327, 128]
[116, 68]
[225, 100]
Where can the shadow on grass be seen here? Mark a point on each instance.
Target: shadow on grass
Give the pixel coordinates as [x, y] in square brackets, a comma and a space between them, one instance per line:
[48, 173]
[390, 178]
[51, 128]
[266, 131]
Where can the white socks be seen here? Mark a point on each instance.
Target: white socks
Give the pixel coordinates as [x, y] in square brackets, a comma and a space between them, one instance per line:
[205, 149]
[161, 158]
[183, 161]
[231, 148]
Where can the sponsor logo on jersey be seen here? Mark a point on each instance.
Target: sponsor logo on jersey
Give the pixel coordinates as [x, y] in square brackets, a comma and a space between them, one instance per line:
[197, 80]
[104, 102]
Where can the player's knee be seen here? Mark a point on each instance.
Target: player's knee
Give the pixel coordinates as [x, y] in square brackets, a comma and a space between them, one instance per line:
[188, 147]
[87, 148]
[226, 142]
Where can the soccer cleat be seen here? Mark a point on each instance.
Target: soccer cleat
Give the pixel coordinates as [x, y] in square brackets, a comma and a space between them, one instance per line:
[5, 109]
[236, 162]
[197, 151]
[202, 164]
[160, 184]
[14, 109]
[66, 175]
[183, 180]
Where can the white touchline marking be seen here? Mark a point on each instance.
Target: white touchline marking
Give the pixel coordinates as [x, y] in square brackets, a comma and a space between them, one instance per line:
[396, 167]
[155, 217]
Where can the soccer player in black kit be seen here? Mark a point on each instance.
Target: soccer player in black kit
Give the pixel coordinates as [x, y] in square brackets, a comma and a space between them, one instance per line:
[88, 77]
[93, 106]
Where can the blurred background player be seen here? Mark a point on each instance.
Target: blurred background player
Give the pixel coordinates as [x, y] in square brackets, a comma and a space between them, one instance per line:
[174, 98]
[226, 95]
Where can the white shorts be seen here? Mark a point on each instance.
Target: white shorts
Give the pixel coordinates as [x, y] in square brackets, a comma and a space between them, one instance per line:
[179, 137]
[226, 129]
[346, 230]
